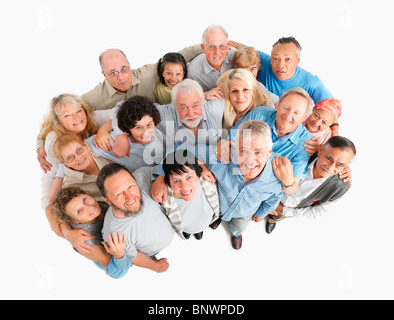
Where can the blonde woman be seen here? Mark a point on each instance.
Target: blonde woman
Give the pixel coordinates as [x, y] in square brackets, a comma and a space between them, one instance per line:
[242, 94]
[68, 114]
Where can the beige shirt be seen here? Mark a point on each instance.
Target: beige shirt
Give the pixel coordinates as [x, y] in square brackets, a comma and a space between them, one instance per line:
[86, 182]
[144, 81]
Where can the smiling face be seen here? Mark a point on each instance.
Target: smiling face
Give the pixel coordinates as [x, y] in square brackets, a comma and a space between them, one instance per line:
[252, 154]
[83, 209]
[215, 48]
[291, 112]
[172, 74]
[241, 95]
[319, 120]
[77, 156]
[143, 130]
[184, 185]
[331, 161]
[72, 118]
[123, 193]
[284, 60]
[189, 108]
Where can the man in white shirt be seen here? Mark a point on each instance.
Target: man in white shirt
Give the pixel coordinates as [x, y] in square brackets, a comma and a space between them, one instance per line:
[322, 185]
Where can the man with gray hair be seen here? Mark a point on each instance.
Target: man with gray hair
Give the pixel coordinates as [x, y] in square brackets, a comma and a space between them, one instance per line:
[247, 186]
[216, 59]
[288, 135]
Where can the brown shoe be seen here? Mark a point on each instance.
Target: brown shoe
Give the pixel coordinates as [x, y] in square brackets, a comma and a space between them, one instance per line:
[236, 242]
[215, 224]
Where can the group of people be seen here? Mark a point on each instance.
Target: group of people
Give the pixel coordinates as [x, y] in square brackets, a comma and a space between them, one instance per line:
[216, 132]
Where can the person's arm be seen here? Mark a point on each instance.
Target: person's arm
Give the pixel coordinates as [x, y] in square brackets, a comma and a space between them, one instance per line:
[189, 53]
[283, 170]
[143, 261]
[57, 185]
[103, 139]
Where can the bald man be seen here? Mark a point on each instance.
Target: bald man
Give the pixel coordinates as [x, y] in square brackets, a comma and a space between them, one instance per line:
[122, 83]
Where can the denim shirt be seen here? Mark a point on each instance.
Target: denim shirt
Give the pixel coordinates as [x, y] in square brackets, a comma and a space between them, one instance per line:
[290, 145]
[239, 199]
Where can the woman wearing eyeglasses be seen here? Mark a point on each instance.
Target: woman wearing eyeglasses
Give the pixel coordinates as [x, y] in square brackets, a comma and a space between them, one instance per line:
[68, 114]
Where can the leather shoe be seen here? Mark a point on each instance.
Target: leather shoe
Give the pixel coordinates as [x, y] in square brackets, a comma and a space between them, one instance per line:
[236, 242]
[269, 227]
[186, 235]
[198, 236]
[215, 224]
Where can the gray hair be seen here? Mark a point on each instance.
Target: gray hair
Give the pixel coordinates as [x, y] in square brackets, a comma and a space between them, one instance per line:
[253, 128]
[287, 40]
[213, 28]
[301, 92]
[186, 87]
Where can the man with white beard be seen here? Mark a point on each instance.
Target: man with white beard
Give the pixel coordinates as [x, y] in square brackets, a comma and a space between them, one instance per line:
[190, 119]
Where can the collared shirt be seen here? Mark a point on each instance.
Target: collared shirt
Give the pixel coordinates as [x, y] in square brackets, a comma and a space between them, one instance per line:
[239, 199]
[144, 80]
[200, 70]
[302, 78]
[305, 188]
[175, 132]
[290, 145]
[86, 182]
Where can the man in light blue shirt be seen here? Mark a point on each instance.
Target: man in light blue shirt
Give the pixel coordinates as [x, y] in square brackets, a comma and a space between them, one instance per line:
[280, 71]
[288, 135]
[247, 186]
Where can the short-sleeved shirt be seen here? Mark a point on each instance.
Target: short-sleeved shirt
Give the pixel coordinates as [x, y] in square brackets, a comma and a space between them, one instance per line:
[301, 79]
[290, 145]
[149, 231]
[201, 71]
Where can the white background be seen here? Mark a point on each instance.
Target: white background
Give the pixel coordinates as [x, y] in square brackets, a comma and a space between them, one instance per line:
[52, 47]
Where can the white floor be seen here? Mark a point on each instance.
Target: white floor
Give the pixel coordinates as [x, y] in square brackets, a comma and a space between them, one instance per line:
[54, 48]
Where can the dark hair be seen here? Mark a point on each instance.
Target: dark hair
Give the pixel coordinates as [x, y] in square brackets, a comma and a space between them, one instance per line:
[133, 110]
[172, 57]
[108, 171]
[176, 162]
[341, 143]
[287, 40]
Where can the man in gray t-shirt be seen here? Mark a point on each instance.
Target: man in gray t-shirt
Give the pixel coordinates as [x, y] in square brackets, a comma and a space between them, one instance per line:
[135, 214]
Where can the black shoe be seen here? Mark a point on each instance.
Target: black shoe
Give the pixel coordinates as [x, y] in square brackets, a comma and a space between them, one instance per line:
[236, 242]
[269, 227]
[198, 236]
[186, 235]
[215, 224]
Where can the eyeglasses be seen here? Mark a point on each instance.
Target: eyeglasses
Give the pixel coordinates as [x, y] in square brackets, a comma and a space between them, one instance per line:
[69, 159]
[213, 47]
[115, 74]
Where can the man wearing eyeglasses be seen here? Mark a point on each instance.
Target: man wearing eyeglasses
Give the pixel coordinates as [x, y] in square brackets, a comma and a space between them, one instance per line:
[122, 83]
[217, 58]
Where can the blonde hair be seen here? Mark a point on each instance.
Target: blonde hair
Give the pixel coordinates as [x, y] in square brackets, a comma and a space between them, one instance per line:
[260, 98]
[246, 57]
[52, 122]
[62, 141]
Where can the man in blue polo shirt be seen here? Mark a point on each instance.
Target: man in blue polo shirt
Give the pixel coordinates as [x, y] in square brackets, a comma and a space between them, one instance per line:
[280, 71]
[288, 136]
